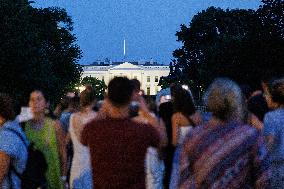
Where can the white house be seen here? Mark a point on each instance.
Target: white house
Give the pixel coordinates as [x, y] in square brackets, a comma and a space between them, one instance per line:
[148, 73]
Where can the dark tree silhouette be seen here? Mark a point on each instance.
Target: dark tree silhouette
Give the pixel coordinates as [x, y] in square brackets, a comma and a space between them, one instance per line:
[37, 50]
[229, 43]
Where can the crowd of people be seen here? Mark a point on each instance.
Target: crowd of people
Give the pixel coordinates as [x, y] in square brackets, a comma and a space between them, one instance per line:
[127, 142]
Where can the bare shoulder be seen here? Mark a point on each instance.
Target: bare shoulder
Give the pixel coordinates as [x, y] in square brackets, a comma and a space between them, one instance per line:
[75, 116]
[178, 116]
[57, 125]
[75, 119]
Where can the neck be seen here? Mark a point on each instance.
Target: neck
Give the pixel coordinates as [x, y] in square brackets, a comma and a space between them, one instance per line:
[216, 121]
[119, 112]
[86, 109]
[38, 117]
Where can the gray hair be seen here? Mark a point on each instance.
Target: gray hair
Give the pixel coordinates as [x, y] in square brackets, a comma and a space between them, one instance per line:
[225, 100]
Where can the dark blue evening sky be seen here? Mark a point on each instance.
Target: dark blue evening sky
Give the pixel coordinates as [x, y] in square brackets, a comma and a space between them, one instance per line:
[149, 26]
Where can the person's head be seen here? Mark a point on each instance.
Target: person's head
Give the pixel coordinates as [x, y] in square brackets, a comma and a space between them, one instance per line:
[258, 106]
[87, 97]
[225, 100]
[182, 100]
[6, 108]
[136, 88]
[120, 91]
[37, 102]
[61, 106]
[275, 93]
[65, 102]
[247, 91]
[136, 84]
[74, 104]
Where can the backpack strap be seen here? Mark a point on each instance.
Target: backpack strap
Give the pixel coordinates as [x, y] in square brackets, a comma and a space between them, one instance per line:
[26, 145]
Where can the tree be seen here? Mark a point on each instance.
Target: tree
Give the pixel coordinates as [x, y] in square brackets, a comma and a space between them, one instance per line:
[173, 77]
[98, 86]
[37, 50]
[272, 15]
[230, 43]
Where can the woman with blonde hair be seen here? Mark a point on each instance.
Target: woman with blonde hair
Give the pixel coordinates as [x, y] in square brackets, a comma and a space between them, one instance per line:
[224, 152]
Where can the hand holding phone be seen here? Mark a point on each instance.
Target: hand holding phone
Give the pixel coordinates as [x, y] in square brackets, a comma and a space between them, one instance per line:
[25, 115]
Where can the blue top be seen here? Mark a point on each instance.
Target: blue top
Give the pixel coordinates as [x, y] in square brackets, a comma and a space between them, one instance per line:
[274, 126]
[13, 146]
[64, 120]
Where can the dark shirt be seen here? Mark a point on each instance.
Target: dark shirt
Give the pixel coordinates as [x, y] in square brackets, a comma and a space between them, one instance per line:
[118, 148]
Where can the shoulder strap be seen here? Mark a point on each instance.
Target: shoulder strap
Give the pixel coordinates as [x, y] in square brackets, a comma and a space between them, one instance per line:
[22, 139]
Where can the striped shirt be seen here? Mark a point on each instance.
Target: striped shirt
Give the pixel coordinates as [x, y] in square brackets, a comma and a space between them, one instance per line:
[224, 156]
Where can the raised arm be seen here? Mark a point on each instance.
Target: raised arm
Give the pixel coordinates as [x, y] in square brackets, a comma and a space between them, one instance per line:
[151, 119]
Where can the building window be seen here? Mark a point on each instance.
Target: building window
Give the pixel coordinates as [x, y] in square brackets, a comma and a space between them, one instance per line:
[156, 79]
[148, 78]
[148, 90]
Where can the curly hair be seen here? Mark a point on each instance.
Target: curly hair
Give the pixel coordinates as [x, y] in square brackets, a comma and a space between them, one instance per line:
[225, 100]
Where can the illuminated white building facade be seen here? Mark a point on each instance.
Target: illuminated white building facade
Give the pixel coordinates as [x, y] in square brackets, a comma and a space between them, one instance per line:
[148, 73]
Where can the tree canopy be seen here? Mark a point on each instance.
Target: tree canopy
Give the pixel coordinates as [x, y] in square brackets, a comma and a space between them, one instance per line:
[37, 50]
[231, 43]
